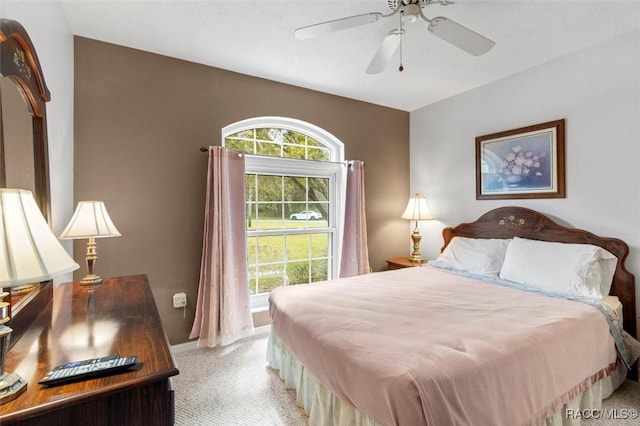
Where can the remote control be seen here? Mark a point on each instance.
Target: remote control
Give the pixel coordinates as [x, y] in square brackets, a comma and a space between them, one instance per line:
[88, 368]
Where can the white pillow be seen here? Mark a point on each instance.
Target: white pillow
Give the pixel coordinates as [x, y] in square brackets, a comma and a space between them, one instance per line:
[573, 269]
[481, 256]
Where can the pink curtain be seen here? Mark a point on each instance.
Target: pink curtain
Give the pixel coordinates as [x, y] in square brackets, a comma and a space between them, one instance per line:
[355, 254]
[223, 313]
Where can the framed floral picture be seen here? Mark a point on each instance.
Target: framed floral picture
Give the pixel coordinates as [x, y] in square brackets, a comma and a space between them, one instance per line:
[521, 163]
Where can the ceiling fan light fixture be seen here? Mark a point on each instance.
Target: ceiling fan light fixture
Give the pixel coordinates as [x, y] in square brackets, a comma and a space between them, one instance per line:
[411, 12]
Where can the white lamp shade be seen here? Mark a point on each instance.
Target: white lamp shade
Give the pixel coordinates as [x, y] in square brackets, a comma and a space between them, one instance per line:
[29, 251]
[417, 209]
[90, 220]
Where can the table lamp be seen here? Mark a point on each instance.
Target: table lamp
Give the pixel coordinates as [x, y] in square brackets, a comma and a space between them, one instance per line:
[29, 253]
[416, 210]
[90, 220]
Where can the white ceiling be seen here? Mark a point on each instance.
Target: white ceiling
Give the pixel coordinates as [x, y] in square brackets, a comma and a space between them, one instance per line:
[256, 38]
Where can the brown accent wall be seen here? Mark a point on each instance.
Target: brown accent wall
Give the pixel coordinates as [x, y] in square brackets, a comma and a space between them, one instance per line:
[140, 119]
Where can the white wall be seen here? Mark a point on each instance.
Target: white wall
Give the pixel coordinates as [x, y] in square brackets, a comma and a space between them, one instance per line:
[53, 41]
[597, 91]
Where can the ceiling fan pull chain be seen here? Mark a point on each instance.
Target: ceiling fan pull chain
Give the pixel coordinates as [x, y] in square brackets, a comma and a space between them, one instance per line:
[401, 67]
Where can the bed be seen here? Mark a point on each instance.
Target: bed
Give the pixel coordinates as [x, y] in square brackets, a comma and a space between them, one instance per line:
[432, 346]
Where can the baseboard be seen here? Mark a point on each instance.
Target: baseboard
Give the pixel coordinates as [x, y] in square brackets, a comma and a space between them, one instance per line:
[189, 346]
[184, 347]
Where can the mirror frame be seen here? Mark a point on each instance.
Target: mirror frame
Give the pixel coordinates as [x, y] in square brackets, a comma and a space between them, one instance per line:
[19, 62]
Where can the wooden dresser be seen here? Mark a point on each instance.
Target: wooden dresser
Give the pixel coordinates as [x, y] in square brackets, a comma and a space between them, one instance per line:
[117, 317]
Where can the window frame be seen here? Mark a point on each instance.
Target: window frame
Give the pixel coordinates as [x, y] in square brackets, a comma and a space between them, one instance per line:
[334, 170]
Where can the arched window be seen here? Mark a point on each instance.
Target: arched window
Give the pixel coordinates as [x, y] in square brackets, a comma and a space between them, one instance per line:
[294, 197]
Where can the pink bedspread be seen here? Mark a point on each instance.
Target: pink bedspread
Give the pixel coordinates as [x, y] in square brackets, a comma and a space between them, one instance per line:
[420, 346]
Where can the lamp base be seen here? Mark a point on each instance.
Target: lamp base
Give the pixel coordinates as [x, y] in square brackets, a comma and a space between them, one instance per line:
[416, 257]
[92, 257]
[11, 386]
[91, 279]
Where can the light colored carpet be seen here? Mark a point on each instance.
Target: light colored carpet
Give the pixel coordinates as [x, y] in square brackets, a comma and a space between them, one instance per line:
[233, 386]
[623, 406]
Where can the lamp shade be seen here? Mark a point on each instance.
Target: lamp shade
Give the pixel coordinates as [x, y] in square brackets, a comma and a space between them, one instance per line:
[417, 209]
[29, 251]
[90, 220]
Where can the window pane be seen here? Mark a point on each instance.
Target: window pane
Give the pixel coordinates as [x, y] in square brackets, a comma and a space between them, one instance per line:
[268, 148]
[269, 188]
[252, 250]
[250, 187]
[298, 272]
[263, 134]
[239, 145]
[298, 246]
[318, 154]
[314, 143]
[267, 263]
[269, 216]
[320, 216]
[318, 189]
[295, 188]
[319, 270]
[296, 138]
[253, 282]
[244, 134]
[292, 151]
[319, 245]
[270, 277]
[271, 249]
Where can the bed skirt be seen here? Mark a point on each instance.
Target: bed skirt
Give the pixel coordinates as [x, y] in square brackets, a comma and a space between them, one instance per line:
[325, 409]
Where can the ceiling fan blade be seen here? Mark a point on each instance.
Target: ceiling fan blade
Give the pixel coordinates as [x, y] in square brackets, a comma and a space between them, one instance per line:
[460, 36]
[385, 51]
[336, 25]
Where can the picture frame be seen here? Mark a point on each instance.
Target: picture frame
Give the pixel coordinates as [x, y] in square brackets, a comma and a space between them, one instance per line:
[522, 163]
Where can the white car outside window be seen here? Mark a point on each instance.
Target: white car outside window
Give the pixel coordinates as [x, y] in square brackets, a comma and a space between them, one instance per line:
[306, 215]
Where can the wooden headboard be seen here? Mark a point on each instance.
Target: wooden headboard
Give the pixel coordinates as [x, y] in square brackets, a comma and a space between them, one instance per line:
[509, 222]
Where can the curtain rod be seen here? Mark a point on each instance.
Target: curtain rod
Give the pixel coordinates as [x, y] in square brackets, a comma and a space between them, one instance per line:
[346, 163]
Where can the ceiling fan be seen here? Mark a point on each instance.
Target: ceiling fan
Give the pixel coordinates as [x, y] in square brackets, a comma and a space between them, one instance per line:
[409, 11]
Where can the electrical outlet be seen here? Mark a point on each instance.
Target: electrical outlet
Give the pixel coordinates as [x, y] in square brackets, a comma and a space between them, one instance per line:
[180, 300]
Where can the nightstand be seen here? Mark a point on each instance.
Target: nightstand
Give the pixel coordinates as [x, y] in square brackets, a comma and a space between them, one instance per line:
[403, 262]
